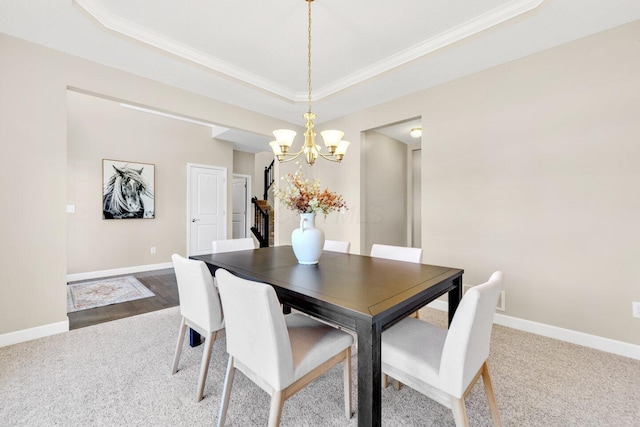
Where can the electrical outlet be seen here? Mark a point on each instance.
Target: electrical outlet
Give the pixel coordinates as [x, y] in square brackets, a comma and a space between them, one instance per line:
[153, 250]
[636, 309]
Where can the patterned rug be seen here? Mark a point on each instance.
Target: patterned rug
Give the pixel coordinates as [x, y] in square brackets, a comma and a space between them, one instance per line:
[98, 293]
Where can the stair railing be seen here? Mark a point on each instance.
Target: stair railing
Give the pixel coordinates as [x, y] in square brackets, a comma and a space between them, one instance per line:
[260, 227]
[269, 172]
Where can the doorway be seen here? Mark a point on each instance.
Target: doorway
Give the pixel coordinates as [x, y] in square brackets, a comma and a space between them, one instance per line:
[206, 207]
[241, 209]
[391, 185]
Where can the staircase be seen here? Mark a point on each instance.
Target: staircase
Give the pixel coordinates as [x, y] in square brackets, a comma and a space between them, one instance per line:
[266, 207]
[263, 225]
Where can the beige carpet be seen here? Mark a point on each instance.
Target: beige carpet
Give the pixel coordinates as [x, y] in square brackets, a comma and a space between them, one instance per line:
[117, 374]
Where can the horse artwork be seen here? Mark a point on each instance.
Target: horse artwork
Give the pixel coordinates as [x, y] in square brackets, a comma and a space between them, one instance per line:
[128, 190]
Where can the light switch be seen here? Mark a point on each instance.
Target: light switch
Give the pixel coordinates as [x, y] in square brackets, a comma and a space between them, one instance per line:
[71, 208]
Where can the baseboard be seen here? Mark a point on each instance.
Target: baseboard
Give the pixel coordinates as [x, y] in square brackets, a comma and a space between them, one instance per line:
[592, 341]
[117, 271]
[60, 327]
[23, 335]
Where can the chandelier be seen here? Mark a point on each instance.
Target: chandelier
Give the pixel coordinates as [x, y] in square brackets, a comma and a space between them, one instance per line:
[336, 147]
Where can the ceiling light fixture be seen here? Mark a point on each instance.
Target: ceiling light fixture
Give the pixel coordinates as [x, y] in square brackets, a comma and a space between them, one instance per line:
[336, 147]
[416, 132]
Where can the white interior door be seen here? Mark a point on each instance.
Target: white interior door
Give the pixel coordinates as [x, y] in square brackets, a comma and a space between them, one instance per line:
[239, 210]
[207, 207]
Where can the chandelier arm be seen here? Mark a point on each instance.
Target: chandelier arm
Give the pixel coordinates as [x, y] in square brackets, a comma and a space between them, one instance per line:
[330, 157]
[290, 156]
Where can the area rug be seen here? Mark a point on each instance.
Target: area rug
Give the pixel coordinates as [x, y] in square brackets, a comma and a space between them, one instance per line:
[98, 293]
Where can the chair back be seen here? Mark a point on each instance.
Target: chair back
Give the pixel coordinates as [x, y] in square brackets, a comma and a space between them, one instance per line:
[336, 246]
[232, 245]
[199, 300]
[257, 335]
[467, 344]
[398, 253]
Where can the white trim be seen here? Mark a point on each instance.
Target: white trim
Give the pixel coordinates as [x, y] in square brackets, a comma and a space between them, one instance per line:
[216, 130]
[123, 27]
[416, 146]
[474, 26]
[23, 335]
[467, 29]
[248, 216]
[592, 341]
[117, 271]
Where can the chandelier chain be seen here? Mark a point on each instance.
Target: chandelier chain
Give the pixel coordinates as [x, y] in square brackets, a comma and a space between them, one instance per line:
[309, 54]
[336, 146]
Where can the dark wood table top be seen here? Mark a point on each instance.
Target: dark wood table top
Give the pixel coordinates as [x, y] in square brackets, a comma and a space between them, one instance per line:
[358, 286]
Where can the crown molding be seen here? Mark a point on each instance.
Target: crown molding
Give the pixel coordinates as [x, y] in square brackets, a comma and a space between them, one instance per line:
[474, 26]
[126, 28]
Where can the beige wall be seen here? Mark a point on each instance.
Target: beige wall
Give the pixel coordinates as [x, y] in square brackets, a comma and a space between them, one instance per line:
[244, 163]
[102, 129]
[33, 134]
[531, 168]
[33, 177]
[385, 161]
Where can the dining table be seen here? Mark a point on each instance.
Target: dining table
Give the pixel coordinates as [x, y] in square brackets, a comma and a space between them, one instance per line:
[361, 293]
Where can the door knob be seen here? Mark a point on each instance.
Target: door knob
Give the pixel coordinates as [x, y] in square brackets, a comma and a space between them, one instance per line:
[195, 219]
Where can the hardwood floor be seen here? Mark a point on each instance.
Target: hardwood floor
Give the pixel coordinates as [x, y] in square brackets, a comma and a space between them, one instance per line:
[161, 282]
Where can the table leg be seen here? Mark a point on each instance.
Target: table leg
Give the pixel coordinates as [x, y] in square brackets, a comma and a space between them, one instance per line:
[454, 297]
[369, 374]
[194, 338]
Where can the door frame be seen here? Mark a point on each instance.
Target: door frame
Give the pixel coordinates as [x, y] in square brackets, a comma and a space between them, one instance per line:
[249, 219]
[411, 148]
[225, 198]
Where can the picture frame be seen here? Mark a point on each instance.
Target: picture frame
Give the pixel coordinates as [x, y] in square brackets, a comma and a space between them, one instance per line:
[128, 190]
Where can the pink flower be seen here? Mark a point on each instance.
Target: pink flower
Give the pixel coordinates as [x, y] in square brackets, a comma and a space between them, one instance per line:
[303, 196]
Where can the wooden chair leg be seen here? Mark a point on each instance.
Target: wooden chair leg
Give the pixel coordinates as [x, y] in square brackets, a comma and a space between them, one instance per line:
[491, 396]
[277, 401]
[204, 365]
[385, 382]
[459, 412]
[176, 357]
[226, 393]
[347, 383]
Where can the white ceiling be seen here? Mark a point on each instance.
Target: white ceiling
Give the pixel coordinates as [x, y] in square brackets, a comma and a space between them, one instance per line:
[253, 54]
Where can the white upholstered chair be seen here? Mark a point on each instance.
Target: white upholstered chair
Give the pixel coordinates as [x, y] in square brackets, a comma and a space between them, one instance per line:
[281, 354]
[398, 253]
[336, 246]
[200, 309]
[232, 245]
[444, 365]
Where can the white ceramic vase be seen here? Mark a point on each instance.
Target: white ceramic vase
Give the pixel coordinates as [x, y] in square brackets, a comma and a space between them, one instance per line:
[307, 241]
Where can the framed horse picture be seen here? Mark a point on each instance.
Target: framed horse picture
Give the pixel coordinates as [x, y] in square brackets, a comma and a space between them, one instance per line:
[127, 190]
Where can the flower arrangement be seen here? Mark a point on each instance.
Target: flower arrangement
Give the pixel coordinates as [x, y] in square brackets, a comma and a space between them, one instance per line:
[304, 196]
